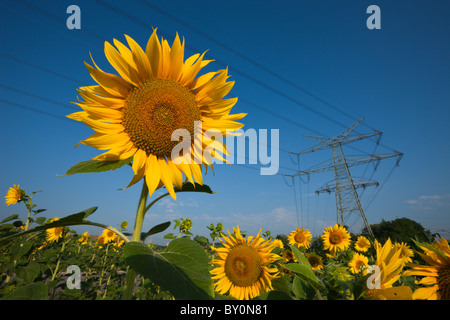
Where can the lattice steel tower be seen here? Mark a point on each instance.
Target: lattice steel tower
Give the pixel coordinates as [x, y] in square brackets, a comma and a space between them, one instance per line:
[344, 185]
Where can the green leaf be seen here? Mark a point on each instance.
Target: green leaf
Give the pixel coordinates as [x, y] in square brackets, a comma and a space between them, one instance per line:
[19, 249]
[30, 272]
[189, 187]
[34, 291]
[201, 240]
[96, 166]
[73, 219]
[301, 290]
[11, 217]
[39, 211]
[157, 229]
[303, 268]
[40, 220]
[169, 236]
[182, 269]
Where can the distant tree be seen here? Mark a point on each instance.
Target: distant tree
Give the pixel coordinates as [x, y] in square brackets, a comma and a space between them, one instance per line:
[399, 230]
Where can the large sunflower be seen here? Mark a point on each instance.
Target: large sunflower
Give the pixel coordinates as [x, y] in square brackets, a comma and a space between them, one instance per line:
[301, 237]
[242, 266]
[158, 103]
[336, 238]
[436, 275]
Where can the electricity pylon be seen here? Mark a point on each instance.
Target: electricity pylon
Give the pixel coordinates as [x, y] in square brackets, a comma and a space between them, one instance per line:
[344, 185]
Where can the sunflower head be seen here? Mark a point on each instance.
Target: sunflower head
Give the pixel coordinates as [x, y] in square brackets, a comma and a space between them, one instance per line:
[301, 237]
[406, 253]
[84, 238]
[53, 234]
[435, 281]
[242, 267]
[155, 103]
[108, 235]
[288, 255]
[315, 261]
[14, 195]
[362, 244]
[358, 263]
[336, 238]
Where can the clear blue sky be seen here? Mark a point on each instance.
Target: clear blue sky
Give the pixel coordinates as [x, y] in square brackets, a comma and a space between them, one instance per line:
[397, 78]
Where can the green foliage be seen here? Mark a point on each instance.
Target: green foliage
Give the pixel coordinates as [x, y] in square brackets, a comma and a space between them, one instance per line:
[182, 268]
[33, 269]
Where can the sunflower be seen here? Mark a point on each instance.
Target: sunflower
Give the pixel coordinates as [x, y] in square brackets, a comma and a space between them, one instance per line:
[436, 275]
[242, 265]
[362, 244]
[288, 255]
[278, 243]
[315, 261]
[108, 235]
[336, 238]
[390, 266]
[14, 195]
[358, 263]
[301, 237]
[84, 238]
[100, 241]
[53, 234]
[406, 253]
[156, 104]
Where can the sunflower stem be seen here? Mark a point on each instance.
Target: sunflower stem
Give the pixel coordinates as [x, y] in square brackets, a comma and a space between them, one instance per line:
[131, 274]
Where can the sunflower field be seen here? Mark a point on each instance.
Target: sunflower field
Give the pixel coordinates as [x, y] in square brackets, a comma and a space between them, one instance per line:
[162, 118]
[44, 259]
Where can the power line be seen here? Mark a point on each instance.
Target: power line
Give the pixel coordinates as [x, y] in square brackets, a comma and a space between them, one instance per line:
[18, 105]
[146, 25]
[39, 97]
[136, 20]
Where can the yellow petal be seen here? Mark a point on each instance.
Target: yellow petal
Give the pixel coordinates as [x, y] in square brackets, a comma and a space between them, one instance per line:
[140, 59]
[166, 177]
[122, 65]
[152, 173]
[139, 161]
[106, 141]
[119, 153]
[153, 52]
[176, 58]
[424, 293]
[111, 83]
[177, 176]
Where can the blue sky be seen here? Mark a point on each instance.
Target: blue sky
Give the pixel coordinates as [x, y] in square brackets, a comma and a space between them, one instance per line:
[396, 77]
